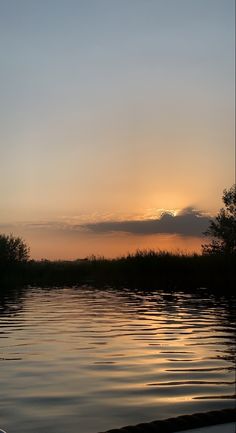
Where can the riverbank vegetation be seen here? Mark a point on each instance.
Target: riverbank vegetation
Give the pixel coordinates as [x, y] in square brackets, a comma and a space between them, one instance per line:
[214, 268]
[144, 269]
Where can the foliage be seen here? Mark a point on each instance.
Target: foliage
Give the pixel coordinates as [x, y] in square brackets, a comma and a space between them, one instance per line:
[222, 229]
[13, 250]
[141, 270]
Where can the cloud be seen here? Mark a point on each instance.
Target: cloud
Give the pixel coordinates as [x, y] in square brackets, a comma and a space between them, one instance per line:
[189, 222]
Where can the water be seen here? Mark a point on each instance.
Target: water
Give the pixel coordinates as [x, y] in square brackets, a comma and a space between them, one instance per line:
[87, 360]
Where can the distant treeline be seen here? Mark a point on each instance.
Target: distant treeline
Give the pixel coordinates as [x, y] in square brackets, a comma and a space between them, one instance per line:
[144, 269]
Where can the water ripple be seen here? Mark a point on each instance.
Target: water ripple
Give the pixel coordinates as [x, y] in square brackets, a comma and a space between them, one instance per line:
[95, 358]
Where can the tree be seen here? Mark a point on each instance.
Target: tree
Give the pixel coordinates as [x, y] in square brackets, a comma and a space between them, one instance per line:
[222, 228]
[13, 250]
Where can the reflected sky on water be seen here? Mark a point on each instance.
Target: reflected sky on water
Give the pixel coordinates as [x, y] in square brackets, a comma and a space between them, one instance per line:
[85, 359]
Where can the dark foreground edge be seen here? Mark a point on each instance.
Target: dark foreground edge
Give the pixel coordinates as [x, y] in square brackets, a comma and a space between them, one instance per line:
[185, 422]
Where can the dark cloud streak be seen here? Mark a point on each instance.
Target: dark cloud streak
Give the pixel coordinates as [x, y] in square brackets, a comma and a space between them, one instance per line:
[188, 223]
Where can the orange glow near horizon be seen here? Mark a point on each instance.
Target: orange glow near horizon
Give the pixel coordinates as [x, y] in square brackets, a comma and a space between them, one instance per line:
[119, 114]
[110, 245]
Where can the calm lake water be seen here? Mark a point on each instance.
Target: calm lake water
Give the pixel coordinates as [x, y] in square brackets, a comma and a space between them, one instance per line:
[80, 360]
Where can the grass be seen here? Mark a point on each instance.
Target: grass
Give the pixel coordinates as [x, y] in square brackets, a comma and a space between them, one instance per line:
[143, 269]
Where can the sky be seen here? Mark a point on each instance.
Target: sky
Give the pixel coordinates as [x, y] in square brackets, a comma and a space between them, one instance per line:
[116, 123]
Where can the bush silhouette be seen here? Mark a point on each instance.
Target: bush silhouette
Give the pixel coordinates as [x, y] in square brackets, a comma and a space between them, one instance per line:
[222, 229]
[13, 250]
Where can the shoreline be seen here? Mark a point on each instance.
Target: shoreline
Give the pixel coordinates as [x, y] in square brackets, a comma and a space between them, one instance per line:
[143, 270]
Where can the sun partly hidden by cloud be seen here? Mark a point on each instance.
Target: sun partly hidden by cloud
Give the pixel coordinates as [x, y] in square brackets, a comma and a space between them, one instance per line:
[71, 238]
[111, 115]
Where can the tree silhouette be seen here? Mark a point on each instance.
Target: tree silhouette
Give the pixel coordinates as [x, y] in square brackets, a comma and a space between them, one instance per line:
[13, 250]
[222, 229]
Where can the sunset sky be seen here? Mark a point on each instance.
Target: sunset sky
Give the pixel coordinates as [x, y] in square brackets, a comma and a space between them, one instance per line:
[113, 112]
